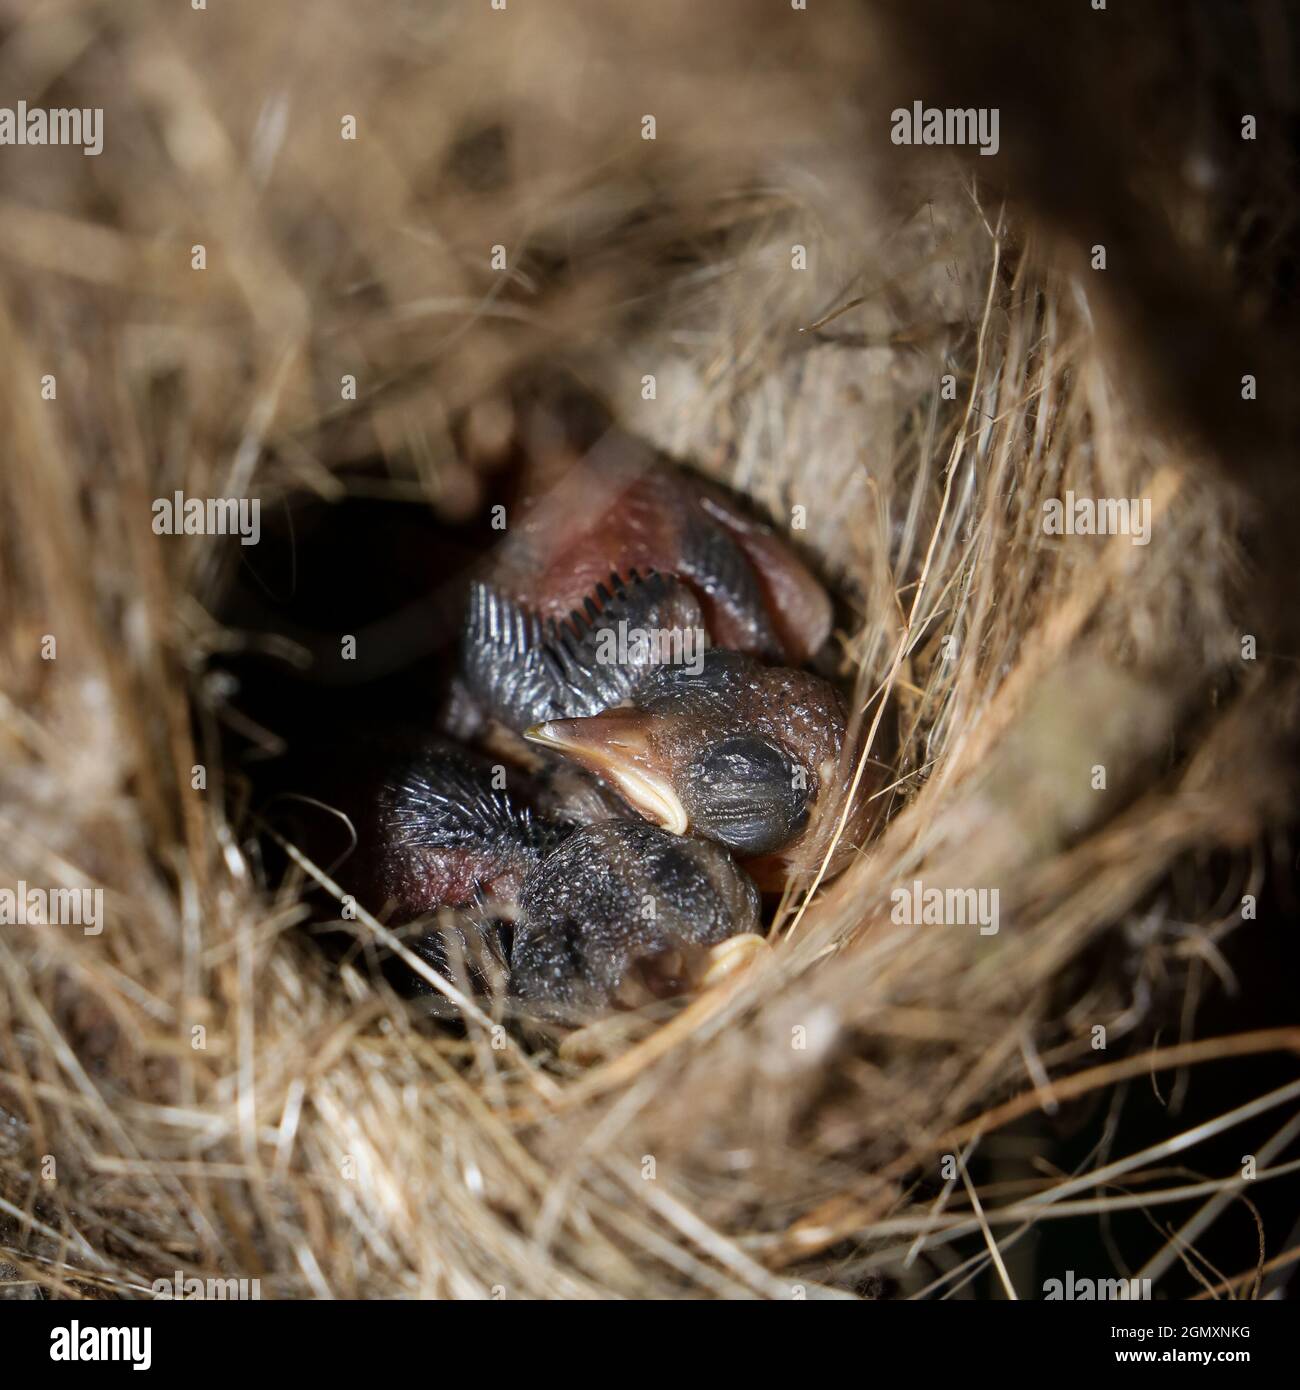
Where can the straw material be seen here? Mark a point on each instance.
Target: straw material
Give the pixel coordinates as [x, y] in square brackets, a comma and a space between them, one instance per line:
[904, 406]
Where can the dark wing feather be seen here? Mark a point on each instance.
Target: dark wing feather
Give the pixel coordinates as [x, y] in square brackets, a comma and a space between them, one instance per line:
[446, 800]
[525, 672]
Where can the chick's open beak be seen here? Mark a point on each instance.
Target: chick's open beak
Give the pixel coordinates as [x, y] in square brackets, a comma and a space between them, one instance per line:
[614, 745]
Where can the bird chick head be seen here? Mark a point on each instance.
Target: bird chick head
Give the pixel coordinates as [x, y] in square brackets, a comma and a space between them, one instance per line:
[622, 913]
[735, 751]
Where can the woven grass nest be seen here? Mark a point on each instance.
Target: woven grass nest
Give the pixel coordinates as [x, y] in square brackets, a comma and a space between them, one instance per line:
[912, 349]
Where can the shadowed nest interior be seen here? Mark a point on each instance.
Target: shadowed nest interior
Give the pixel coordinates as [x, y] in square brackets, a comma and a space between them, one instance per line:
[899, 355]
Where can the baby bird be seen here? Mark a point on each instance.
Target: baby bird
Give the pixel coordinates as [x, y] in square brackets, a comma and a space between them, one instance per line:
[625, 625]
[622, 506]
[740, 753]
[613, 539]
[609, 914]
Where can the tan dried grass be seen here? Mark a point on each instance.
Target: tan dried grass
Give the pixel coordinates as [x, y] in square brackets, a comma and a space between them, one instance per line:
[322, 1140]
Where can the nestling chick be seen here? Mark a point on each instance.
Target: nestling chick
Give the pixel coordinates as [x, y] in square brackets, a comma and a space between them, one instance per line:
[590, 639]
[613, 539]
[607, 914]
[621, 913]
[621, 506]
[741, 753]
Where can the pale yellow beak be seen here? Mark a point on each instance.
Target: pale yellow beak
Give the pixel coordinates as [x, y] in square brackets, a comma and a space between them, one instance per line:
[613, 746]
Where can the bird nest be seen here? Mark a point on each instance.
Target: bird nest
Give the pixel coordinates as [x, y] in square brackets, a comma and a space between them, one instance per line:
[905, 360]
